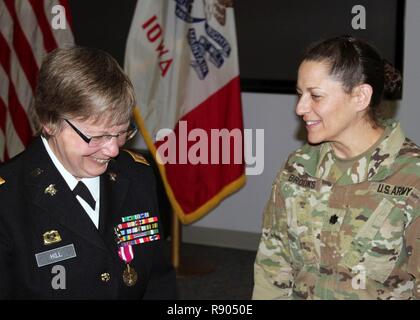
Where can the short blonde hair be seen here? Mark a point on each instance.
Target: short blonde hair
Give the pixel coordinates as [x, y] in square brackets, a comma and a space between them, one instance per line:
[83, 83]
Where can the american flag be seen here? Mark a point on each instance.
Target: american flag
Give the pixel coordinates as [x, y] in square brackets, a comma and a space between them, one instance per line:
[28, 30]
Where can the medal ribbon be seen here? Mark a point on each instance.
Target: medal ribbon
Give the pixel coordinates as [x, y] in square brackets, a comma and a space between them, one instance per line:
[126, 253]
[139, 235]
[142, 240]
[137, 229]
[137, 223]
[136, 217]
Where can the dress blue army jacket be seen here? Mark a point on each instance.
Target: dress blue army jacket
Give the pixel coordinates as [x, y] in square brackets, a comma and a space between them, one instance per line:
[39, 213]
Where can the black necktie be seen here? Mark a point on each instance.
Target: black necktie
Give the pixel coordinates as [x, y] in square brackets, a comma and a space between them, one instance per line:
[82, 191]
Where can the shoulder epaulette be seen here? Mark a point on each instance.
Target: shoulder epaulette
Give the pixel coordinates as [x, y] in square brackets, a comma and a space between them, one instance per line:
[2, 181]
[137, 157]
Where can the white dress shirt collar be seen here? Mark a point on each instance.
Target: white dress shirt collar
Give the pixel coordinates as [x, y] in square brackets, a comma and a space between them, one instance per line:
[92, 184]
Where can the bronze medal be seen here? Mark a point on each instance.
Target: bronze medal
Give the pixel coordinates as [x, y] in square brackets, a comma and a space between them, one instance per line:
[129, 276]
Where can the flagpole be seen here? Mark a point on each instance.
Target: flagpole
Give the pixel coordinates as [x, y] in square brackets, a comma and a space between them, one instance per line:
[187, 266]
[176, 236]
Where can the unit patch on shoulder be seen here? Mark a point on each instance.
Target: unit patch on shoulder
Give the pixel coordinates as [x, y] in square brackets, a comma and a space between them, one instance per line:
[137, 157]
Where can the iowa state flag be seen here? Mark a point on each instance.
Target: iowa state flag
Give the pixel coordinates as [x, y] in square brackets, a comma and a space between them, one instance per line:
[182, 58]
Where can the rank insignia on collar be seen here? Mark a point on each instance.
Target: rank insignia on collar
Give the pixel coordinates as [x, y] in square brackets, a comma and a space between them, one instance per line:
[51, 190]
[137, 157]
[2, 181]
[51, 237]
[112, 176]
[36, 172]
[333, 219]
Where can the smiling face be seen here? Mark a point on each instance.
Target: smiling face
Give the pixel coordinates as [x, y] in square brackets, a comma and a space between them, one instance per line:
[81, 160]
[329, 112]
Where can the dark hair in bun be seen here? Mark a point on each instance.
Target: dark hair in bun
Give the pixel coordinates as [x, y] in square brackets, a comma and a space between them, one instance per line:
[393, 81]
[353, 61]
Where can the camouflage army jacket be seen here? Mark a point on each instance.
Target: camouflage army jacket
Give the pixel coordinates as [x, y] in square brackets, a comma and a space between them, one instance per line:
[343, 235]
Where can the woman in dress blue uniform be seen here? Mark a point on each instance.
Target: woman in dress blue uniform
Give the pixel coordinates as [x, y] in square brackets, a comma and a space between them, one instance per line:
[79, 217]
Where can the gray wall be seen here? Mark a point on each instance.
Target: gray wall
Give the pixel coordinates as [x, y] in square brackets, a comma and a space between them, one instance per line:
[275, 113]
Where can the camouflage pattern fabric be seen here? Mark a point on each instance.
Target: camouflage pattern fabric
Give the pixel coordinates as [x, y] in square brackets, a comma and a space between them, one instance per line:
[343, 235]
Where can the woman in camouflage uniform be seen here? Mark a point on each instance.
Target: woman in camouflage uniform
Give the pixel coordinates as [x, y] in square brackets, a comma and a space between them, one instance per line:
[343, 218]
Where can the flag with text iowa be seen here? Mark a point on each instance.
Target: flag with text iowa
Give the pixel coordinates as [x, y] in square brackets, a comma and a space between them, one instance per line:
[182, 58]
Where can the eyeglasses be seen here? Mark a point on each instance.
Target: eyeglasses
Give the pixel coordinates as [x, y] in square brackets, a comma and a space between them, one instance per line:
[97, 141]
